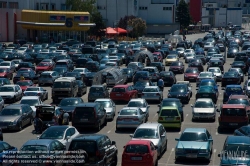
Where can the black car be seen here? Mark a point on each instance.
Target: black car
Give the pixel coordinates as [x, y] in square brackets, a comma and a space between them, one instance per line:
[216, 63]
[181, 92]
[82, 88]
[7, 56]
[207, 92]
[69, 104]
[26, 65]
[140, 85]
[170, 102]
[4, 81]
[81, 62]
[75, 57]
[232, 52]
[88, 78]
[141, 76]
[100, 149]
[197, 65]
[129, 73]
[92, 66]
[241, 56]
[61, 70]
[41, 57]
[230, 78]
[240, 64]
[243, 131]
[76, 75]
[168, 77]
[27, 75]
[159, 66]
[202, 58]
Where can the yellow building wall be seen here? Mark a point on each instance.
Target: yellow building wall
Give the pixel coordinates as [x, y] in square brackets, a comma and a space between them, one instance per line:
[38, 16]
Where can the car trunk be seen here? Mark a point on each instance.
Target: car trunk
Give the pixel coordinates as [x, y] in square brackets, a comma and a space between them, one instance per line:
[169, 116]
[47, 113]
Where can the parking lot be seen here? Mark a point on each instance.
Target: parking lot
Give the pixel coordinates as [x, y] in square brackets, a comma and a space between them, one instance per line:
[122, 137]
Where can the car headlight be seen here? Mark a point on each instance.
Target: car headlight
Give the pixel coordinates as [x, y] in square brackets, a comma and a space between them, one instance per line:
[203, 150]
[178, 150]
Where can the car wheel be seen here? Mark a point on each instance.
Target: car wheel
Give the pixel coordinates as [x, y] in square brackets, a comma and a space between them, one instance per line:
[14, 99]
[115, 160]
[46, 98]
[105, 122]
[156, 162]
[20, 126]
[98, 128]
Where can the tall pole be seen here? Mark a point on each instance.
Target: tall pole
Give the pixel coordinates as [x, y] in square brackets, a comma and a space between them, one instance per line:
[226, 12]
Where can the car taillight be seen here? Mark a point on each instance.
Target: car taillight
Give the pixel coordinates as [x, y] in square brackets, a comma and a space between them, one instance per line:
[160, 118]
[178, 118]
[119, 119]
[38, 94]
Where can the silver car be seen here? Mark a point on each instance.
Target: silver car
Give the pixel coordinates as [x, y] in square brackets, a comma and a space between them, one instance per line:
[36, 91]
[154, 132]
[217, 72]
[48, 77]
[237, 70]
[17, 62]
[204, 108]
[109, 106]
[130, 118]
[205, 75]
[141, 103]
[152, 93]
[188, 57]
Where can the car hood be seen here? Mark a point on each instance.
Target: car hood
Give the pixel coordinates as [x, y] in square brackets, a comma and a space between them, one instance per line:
[8, 118]
[3, 74]
[176, 93]
[155, 141]
[7, 93]
[191, 74]
[192, 145]
[5, 67]
[203, 110]
[235, 160]
[68, 108]
[142, 108]
[41, 67]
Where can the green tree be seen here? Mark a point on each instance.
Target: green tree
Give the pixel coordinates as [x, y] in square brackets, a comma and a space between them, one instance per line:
[183, 14]
[96, 17]
[139, 27]
[123, 22]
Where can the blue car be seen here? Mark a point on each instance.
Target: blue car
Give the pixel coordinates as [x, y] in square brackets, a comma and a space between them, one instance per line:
[232, 90]
[194, 143]
[209, 82]
[6, 149]
[235, 145]
[199, 51]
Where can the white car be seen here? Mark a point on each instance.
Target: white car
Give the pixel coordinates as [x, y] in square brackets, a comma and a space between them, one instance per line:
[36, 91]
[32, 101]
[21, 49]
[82, 71]
[109, 106]
[141, 103]
[205, 75]
[8, 65]
[217, 72]
[204, 108]
[208, 45]
[64, 134]
[11, 93]
[188, 51]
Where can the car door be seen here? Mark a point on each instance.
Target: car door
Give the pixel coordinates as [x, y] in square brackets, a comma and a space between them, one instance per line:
[114, 106]
[163, 136]
[142, 116]
[209, 137]
[25, 116]
[16, 92]
[12, 66]
[153, 151]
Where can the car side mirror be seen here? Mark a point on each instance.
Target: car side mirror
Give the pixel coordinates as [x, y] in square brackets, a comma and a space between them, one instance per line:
[131, 135]
[219, 155]
[210, 140]
[218, 85]
[177, 139]
[168, 90]
[38, 136]
[113, 143]
[67, 138]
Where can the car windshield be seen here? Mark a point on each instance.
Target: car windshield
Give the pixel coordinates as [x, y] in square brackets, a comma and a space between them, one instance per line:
[178, 89]
[43, 64]
[96, 89]
[191, 71]
[30, 102]
[204, 104]
[23, 83]
[193, 136]
[32, 89]
[171, 57]
[129, 112]
[214, 70]
[68, 102]
[6, 89]
[4, 64]
[169, 112]
[175, 64]
[146, 133]
[136, 104]
[170, 103]
[10, 112]
[61, 85]
[149, 70]
[205, 75]
[34, 148]
[105, 104]
[118, 90]
[150, 90]
[23, 73]
[234, 89]
[141, 84]
[238, 101]
[207, 83]
[230, 74]
[234, 112]
[56, 133]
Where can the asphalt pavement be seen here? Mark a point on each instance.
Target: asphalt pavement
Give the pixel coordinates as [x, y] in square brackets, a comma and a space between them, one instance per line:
[17, 139]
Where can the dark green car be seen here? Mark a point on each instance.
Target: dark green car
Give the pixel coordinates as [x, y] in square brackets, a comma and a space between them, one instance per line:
[207, 92]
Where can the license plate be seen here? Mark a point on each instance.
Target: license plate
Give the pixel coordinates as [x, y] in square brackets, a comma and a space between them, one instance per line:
[191, 155]
[169, 118]
[233, 124]
[60, 97]
[150, 94]
[136, 158]
[118, 94]
[84, 120]
[191, 78]
[205, 95]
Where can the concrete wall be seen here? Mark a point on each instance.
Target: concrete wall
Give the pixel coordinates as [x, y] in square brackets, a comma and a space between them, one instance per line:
[21, 33]
[234, 16]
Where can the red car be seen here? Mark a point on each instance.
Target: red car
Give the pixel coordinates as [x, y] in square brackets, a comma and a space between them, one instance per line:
[6, 73]
[159, 56]
[139, 152]
[25, 84]
[44, 66]
[191, 74]
[123, 93]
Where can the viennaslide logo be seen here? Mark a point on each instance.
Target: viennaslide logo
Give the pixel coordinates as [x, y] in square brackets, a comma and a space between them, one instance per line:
[235, 155]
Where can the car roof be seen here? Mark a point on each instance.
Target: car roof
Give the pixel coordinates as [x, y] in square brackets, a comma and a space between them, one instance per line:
[9, 85]
[233, 86]
[238, 97]
[237, 140]
[45, 142]
[89, 137]
[137, 99]
[213, 68]
[169, 107]
[86, 104]
[130, 108]
[50, 72]
[96, 86]
[171, 99]
[233, 106]
[201, 130]
[103, 99]
[140, 142]
[59, 127]
[204, 99]
[149, 125]
[151, 87]
[121, 86]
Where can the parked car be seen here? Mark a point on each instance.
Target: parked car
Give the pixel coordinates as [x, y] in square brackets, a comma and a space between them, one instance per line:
[191, 74]
[152, 93]
[181, 92]
[48, 77]
[232, 90]
[123, 93]
[36, 91]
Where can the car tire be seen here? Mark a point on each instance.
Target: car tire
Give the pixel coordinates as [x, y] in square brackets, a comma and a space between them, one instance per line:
[98, 128]
[105, 122]
[114, 162]
[156, 163]
[20, 127]
[46, 98]
[14, 99]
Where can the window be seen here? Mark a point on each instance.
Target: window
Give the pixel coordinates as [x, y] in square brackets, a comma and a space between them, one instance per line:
[53, 6]
[143, 8]
[13, 5]
[3, 4]
[167, 8]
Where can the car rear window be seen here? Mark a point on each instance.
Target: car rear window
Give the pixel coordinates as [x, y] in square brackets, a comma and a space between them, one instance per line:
[169, 113]
[234, 112]
[136, 149]
[129, 112]
[84, 112]
[88, 146]
[118, 90]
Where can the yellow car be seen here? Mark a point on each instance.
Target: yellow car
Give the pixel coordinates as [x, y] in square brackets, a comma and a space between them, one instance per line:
[169, 117]
[171, 58]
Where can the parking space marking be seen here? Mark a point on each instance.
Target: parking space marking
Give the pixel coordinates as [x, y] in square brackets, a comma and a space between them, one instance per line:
[186, 115]
[214, 156]
[216, 133]
[111, 129]
[170, 156]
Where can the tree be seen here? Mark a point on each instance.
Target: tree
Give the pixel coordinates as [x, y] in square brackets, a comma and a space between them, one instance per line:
[139, 27]
[96, 17]
[183, 14]
[123, 22]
